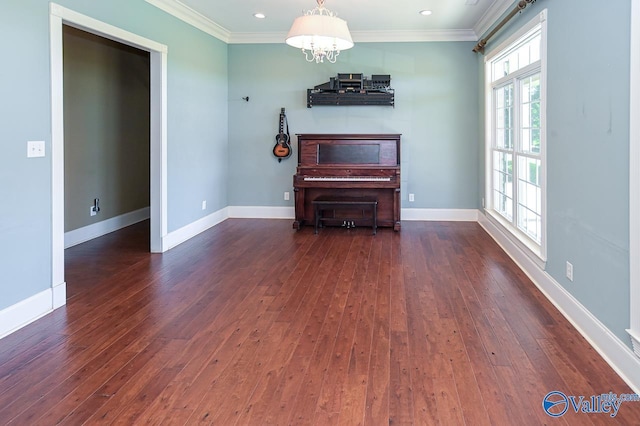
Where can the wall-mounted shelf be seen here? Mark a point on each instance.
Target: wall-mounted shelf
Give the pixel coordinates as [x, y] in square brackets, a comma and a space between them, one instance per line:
[352, 89]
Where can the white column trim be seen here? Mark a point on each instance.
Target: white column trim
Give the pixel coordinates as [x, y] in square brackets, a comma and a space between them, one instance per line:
[158, 149]
[634, 179]
[57, 159]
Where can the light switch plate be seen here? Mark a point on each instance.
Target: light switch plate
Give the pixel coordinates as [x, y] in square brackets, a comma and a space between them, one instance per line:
[35, 149]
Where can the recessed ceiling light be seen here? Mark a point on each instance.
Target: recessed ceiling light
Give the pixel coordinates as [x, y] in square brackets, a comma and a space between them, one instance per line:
[425, 12]
[259, 15]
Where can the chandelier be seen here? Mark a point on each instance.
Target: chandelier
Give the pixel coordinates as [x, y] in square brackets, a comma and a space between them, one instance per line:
[320, 34]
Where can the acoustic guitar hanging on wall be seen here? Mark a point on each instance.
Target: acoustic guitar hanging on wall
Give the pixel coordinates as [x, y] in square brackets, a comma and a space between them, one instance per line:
[282, 149]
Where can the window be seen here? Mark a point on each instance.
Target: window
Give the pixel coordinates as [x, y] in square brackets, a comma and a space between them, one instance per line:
[515, 107]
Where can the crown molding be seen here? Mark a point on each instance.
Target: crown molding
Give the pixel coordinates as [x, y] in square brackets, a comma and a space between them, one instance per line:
[413, 36]
[257, 38]
[365, 36]
[191, 17]
[495, 11]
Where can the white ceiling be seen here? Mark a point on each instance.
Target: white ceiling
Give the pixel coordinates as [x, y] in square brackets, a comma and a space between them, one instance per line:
[368, 20]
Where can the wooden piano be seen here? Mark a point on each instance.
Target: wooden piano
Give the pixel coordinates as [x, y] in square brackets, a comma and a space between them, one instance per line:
[358, 166]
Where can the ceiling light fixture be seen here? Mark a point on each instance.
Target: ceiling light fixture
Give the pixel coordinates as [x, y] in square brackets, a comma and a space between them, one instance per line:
[259, 15]
[320, 34]
[425, 12]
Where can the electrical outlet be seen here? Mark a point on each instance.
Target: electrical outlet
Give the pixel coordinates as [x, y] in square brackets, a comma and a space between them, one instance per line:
[569, 271]
[412, 198]
[92, 211]
[286, 196]
[204, 204]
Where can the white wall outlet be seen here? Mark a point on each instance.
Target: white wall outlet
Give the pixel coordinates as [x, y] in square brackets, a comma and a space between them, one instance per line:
[412, 198]
[286, 196]
[204, 204]
[569, 271]
[35, 149]
[92, 211]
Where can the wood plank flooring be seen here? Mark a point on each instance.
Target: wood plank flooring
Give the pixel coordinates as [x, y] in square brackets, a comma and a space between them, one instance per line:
[252, 323]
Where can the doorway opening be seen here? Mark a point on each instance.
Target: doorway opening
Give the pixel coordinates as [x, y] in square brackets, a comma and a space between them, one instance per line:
[106, 132]
[60, 16]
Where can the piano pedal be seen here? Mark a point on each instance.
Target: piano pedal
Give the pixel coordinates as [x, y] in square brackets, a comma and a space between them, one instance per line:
[348, 224]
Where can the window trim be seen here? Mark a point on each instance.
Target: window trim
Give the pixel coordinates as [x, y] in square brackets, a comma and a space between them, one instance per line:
[538, 253]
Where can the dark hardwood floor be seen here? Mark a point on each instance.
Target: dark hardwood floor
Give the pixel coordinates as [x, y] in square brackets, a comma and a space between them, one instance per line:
[252, 323]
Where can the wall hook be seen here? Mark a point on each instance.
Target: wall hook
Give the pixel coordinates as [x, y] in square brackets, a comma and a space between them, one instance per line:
[246, 98]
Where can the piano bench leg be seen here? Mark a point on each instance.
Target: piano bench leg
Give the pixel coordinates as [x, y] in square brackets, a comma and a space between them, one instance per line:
[375, 219]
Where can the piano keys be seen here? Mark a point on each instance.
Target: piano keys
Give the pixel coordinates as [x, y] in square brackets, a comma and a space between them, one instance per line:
[348, 165]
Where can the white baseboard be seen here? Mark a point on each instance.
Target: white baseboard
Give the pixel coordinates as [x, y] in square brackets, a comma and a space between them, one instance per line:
[25, 312]
[618, 355]
[447, 215]
[245, 212]
[260, 212]
[59, 295]
[451, 215]
[95, 230]
[183, 234]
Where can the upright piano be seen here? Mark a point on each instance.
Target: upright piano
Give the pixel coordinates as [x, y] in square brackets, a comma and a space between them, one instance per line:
[348, 165]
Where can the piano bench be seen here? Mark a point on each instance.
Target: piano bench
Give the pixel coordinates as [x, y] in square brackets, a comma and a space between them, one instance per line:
[321, 204]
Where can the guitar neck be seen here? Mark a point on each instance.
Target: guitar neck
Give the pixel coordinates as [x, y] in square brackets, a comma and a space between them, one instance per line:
[282, 118]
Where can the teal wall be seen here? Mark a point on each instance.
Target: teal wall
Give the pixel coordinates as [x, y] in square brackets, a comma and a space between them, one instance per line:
[436, 96]
[588, 151]
[197, 128]
[25, 184]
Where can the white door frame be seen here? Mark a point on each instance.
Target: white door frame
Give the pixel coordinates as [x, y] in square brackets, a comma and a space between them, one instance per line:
[634, 179]
[59, 15]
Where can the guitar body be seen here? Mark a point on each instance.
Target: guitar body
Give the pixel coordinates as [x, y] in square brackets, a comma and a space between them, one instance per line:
[282, 148]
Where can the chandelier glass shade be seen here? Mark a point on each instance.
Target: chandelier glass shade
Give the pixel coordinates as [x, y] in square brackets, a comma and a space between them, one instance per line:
[320, 34]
